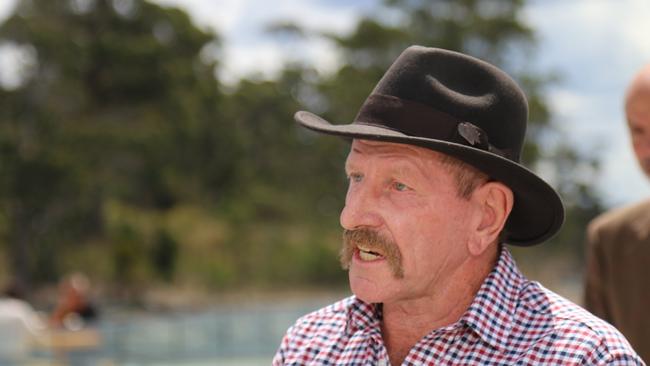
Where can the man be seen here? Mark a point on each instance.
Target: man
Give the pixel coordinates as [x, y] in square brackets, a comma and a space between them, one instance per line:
[618, 242]
[435, 189]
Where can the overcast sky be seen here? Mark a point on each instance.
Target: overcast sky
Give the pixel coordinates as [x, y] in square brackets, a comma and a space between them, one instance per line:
[596, 45]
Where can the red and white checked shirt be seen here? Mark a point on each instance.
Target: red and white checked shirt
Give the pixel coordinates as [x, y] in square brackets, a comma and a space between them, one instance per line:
[512, 321]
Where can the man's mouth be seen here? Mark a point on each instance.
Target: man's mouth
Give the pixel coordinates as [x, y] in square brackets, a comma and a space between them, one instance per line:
[368, 255]
[369, 247]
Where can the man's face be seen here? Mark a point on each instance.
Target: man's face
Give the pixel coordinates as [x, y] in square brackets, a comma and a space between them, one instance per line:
[637, 110]
[407, 200]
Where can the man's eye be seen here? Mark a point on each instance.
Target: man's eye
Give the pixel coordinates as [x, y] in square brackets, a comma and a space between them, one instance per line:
[355, 177]
[400, 186]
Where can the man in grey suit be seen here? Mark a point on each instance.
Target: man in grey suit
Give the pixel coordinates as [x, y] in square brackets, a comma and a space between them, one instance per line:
[618, 242]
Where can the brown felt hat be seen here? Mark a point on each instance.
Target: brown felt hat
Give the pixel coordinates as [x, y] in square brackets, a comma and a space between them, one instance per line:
[466, 108]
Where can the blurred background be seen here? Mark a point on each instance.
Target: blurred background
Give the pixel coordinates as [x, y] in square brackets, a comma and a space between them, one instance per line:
[148, 148]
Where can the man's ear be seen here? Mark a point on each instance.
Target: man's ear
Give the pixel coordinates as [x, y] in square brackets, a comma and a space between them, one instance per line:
[494, 200]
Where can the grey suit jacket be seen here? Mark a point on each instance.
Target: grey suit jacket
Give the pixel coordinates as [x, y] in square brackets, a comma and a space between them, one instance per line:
[618, 272]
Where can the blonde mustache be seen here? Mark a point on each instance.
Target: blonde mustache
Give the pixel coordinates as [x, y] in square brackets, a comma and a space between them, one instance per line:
[371, 240]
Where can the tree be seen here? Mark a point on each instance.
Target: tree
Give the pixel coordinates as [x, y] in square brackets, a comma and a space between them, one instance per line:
[120, 104]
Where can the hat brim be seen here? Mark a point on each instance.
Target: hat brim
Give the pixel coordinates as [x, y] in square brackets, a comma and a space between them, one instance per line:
[537, 213]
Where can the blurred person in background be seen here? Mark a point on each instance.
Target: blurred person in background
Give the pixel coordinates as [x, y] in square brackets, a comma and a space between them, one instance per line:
[73, 338]
[435, 190]
[20, 325]
[617, 285]
[74, 309]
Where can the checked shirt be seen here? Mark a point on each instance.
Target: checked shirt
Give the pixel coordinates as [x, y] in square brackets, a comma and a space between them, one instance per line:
[512, 321]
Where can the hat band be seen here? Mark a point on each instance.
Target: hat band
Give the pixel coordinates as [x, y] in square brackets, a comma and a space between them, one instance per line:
[406, 116]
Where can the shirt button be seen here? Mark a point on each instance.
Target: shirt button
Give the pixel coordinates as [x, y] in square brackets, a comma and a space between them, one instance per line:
[382, 362]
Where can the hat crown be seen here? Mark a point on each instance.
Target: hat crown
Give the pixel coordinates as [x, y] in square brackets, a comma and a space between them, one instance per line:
[458, 86]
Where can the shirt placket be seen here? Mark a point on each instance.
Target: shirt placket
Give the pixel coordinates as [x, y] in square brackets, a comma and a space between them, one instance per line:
[380, 355]
[429, 349]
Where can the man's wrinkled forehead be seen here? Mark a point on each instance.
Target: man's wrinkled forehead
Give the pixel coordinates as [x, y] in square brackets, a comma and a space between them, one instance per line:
[382, 148]
[400, 156]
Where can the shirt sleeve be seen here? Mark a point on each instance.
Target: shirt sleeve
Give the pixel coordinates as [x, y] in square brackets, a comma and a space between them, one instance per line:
[280, 355]
[624, 360]
[616, 357]
[278, 359]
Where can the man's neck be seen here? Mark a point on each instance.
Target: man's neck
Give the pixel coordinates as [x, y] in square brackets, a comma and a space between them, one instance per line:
[407, 322]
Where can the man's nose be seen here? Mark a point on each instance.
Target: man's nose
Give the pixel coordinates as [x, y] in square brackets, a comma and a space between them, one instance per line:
[360, 211]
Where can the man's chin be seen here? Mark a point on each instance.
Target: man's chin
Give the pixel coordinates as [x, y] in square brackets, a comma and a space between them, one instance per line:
[368, 289]
[368, 297]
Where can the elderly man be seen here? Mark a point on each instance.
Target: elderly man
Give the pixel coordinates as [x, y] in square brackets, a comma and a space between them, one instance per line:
[618, 242]
[435, 189]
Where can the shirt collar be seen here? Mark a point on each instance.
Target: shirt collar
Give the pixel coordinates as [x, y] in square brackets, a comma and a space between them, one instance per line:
[363, 316]
[489, 316]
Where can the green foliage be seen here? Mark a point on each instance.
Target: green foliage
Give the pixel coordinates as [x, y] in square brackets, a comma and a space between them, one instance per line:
[126, 253]
[164, 255]
[118, 104]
